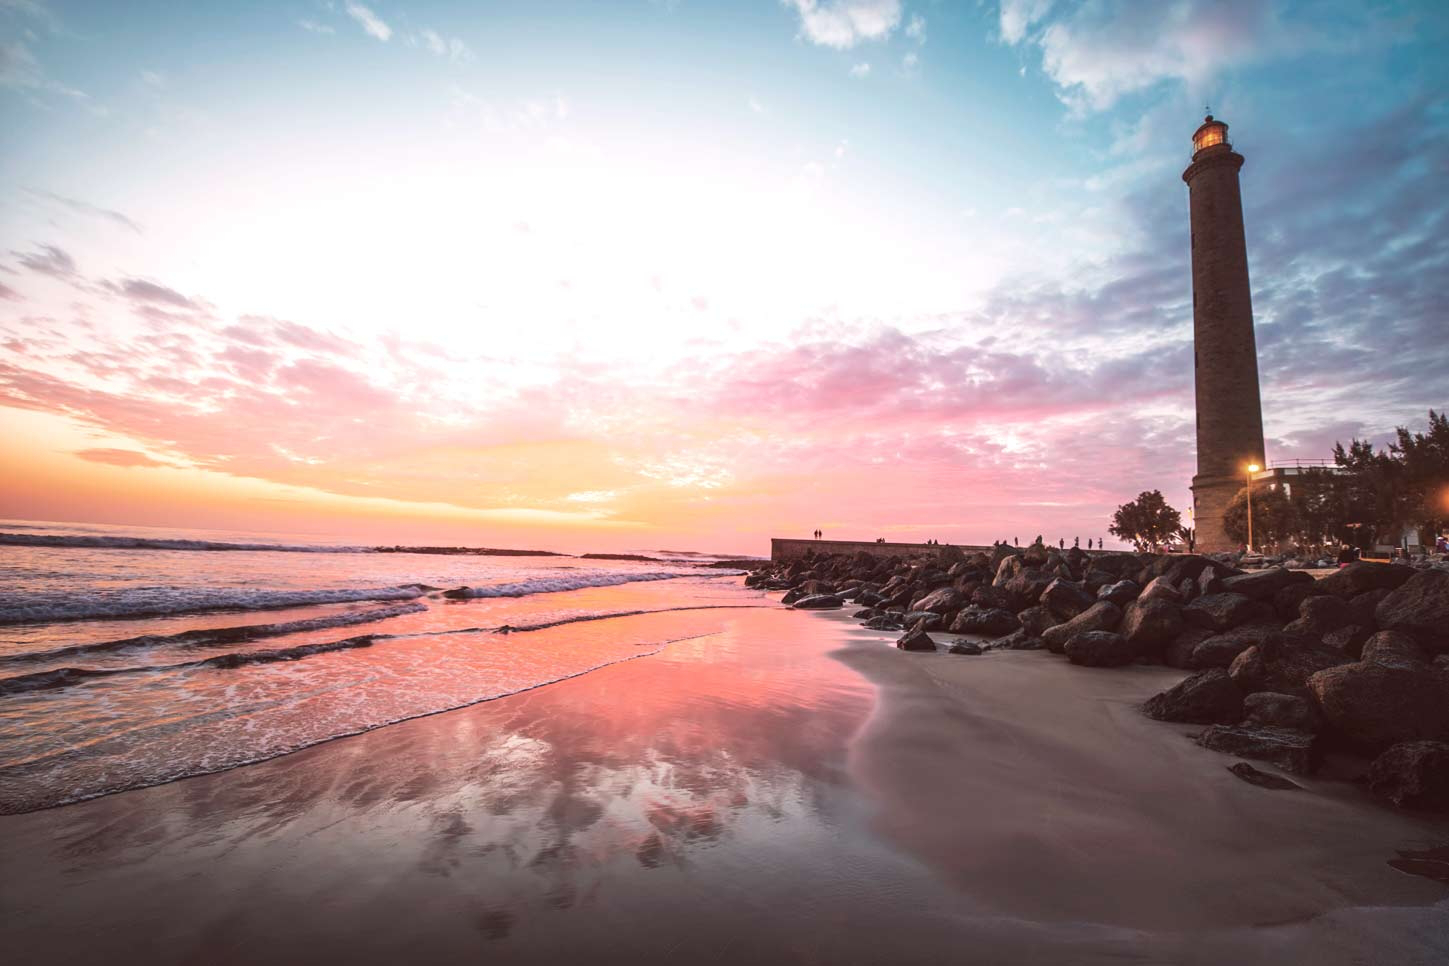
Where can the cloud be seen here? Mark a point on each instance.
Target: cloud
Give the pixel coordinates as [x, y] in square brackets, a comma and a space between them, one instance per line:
[141, 291]
[313, 26]
[48, 260]
[118, 457]
[371, 23]
[910, 61]
[756, 106]
[9, 294]
[916, 28]
[1098, 52]
[152, 78]
[844, 23]
[860, 70]
[450, 48]
[86, 208]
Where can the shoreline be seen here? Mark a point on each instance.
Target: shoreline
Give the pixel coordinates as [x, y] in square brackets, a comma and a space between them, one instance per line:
[792, 789]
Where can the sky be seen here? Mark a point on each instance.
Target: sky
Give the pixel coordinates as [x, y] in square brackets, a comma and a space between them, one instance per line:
[690, 273]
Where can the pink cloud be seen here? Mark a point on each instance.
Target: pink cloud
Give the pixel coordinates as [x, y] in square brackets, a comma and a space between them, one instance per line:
[118, 457]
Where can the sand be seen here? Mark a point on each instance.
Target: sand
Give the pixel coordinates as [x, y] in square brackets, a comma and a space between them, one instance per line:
[791, 789]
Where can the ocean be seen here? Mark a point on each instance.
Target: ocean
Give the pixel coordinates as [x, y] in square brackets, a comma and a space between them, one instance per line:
[132, 656]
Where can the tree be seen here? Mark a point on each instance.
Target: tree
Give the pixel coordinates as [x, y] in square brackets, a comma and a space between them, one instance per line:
[1405, 485]
[1275, 519]
[1147, 521]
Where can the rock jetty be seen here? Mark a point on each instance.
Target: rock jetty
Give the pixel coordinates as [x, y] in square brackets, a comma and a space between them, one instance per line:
[1283, 668]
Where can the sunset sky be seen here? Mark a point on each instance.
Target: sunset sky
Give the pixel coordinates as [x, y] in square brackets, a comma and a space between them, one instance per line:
[690, 273]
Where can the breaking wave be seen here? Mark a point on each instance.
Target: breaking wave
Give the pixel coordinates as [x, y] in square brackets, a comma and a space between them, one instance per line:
[164, 601]
[576, 580]
[219, 635]
[160, 543]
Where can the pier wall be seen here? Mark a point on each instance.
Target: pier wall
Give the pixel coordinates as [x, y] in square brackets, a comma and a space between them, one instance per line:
[785, 549]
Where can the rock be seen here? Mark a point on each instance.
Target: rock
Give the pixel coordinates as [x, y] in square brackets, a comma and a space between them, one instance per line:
[1348, 640]
[1026, 588]
[1363, 607]
[941, 600]
[818, 602]
[916, 639]
[1219, 612]
[1035, 620]
[991, 598]
[1020, 639]
[1207, 697]
[1100, 649]
[930, 619]
[1292, 751]
[1289, 660]
[1365, 575]
[1262, 779]
[1121, 593]
[1220, 650]
[1148, 624]
[1066, 599]
[1035, 555]
[1270, 709]
[988, 623]
[1288, 602]
[1319, 615]
[1413, 774]
[884, 622]
[866, 614]
[1264, 584]
[1375, 706]
[1209, 582]
[1178, 652]
[964, 647]
[1247, 671]
[1101, 616]
[1420, 606]
[1010, 566]
[1395, 649]
[813, 587]
[791, 595]
[1161, 588]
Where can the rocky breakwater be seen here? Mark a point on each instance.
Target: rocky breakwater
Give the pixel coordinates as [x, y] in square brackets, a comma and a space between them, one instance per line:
[1284, 668]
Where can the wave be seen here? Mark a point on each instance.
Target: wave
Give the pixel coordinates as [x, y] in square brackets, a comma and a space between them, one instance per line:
[67, 676]
[576, 580]
[218, 635]
[165, 601]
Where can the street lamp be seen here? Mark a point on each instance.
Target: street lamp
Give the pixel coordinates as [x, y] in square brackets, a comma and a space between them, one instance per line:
[1252, 468]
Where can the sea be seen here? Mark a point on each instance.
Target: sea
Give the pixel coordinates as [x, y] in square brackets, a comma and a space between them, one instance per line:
[133, 656]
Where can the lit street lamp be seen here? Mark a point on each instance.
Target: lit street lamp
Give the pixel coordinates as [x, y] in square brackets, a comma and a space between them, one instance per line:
[1252, 468]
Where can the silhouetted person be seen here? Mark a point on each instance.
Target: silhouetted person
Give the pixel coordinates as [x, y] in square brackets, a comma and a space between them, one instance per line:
[1061, 543]
[1076, 543]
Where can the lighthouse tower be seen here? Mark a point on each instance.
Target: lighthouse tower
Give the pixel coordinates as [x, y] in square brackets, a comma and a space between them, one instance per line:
[1225, 355]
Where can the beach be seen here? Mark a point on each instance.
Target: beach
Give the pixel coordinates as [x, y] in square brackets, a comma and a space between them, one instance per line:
[780, 786]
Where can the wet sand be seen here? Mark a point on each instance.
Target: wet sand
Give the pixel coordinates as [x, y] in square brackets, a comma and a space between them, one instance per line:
[789, 789]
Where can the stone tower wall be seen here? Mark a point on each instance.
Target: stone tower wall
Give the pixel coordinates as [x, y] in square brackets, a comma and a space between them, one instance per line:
[1225, 356]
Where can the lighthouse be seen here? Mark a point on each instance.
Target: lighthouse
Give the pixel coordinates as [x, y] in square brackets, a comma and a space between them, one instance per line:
[1225, 354]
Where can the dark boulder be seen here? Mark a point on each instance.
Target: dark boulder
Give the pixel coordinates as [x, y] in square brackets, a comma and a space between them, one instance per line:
[1035, 555]
[818, 602]
[1210, 581]
[941, 600]
[1413, 774]
[1264, 584]
[1374, 706]
[1178, 652]
[885, 622]
[1066, 599]
[1020, 639]
[1010, 566]
[991, 598]
[932, 621]
[1101, 616]
[1220, 650]
[1293, 751]
[866, 614]
[813, 587]
[1364, 608]
[1395, 649]
[1121, 593]
[987, 623]
[1160, 588]
[1150, 624]
[1289, 660]
[1319, 615]
[1288, 602]
[1220, 612]
[1035, 620]
[1270, 709]
[1026, 588]
[792, 595]
[1348, 640]
[1100, 649]
[916, 639]
[964, 647]
[1365, 575]
[1262, 779]
[1420, 606]
[1207, 697]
